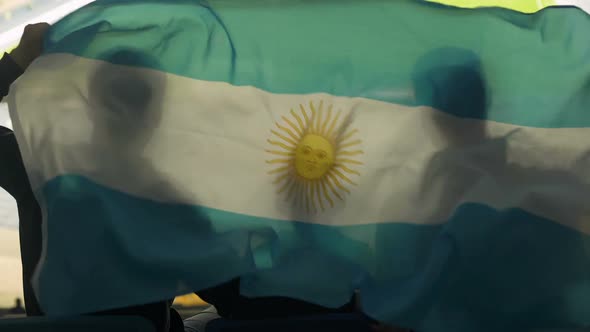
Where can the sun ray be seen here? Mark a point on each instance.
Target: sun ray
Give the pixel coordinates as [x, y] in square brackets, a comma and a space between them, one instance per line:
[302, 194]
[281, 153]
[316, 185]
[319, 122]
[289, 132]
[332, 188]
[347, 145]
[306, 196]
[326, 193]
[312, 196]
[319, 154]
[299, 121]
[347, 170]
[321, 118]
[280, 169]
[342, 176]
[349, 161]
[294, 126]
[286, 185]
[305, 117]
[325, 124]
[330, 133]
[282, 177]
[282, 145]
[313, 120]
[350, 153]
[297, 193]
[285, 138]
[292, 189]
[348, 135]
[278, 161]
[337, 182]
[342, 129]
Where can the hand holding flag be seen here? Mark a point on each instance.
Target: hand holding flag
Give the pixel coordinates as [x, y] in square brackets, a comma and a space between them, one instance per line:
[31, 44]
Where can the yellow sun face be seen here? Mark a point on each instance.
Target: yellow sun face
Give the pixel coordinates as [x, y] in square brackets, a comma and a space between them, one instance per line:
[315, 157]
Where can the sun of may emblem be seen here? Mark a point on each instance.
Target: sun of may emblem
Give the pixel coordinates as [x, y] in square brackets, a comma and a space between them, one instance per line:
[314, 156]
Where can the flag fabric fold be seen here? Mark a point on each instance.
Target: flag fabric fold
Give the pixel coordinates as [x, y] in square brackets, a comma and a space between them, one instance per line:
[433, 158]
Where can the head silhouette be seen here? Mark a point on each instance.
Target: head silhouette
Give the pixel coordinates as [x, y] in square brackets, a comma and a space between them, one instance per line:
[451, 81]
[126, 101]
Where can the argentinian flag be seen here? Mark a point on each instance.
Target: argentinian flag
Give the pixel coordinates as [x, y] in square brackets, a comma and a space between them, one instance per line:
[434, 158]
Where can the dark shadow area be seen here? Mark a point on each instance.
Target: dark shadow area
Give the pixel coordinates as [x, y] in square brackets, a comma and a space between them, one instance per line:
[127, 109]
[489, 269]
[451, 81]
[134, 242]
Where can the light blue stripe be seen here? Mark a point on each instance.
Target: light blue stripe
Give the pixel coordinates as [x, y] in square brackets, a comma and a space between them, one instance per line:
[482, 269]
[524, 69]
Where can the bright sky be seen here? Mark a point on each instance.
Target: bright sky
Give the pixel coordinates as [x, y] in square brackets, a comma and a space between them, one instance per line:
[10, 282]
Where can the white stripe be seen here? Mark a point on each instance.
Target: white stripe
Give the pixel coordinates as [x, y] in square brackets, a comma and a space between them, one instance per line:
[209, 149]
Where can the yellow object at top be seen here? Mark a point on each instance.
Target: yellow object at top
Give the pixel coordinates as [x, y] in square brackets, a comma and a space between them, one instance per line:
[525, 6]
[189, 300]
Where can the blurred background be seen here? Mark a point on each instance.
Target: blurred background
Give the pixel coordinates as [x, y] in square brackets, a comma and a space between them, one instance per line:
[15, 14]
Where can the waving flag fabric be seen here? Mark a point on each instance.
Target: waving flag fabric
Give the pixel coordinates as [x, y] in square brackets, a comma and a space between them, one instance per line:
[434, 158]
